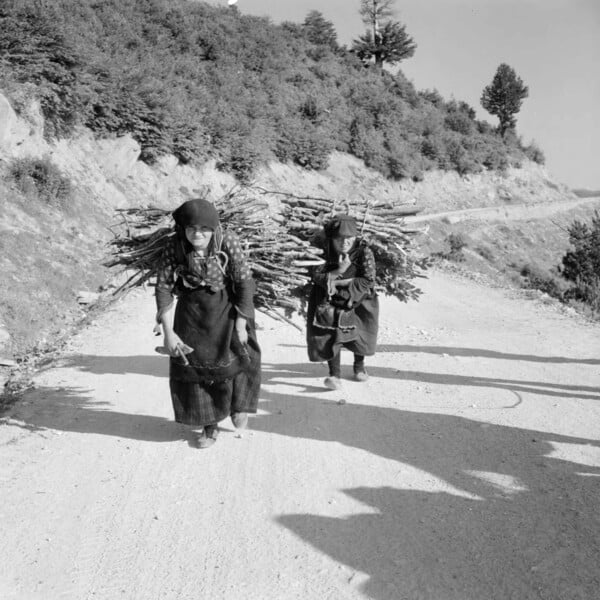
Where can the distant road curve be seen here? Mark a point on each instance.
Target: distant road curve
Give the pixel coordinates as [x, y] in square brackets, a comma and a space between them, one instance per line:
[514, 212]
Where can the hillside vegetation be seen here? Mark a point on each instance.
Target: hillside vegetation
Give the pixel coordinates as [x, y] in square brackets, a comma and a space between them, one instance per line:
[198, 81]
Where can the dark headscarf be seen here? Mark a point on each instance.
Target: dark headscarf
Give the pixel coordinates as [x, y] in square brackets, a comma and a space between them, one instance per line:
[341, 226]
[197, 212]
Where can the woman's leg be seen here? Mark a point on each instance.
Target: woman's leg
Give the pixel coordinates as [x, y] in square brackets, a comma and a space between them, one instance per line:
[335, 365]
[334, 382]
[360, 373]
[204, 437]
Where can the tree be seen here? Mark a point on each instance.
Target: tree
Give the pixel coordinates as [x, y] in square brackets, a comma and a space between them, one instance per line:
[319, 30]
[504, 96]
[373, 11]
[385, 42]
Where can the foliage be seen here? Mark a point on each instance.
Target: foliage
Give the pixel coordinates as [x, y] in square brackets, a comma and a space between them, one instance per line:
[457, 244]
[504, 96]
[534, 152]
[372, 11]
[390, 45]
[40, 178]
[539, 279]
[33, 50]
[581, 265]
[200, 81]
[319, 31]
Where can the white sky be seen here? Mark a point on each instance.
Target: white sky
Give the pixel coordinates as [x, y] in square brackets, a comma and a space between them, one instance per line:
[553, 45]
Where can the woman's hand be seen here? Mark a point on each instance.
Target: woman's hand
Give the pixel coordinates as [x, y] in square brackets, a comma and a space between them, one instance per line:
[342, 283]
[343, 263]
[240, 328]
[172, 341]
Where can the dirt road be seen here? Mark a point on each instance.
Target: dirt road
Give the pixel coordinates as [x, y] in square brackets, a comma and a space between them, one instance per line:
[467, 468]
[508, 212]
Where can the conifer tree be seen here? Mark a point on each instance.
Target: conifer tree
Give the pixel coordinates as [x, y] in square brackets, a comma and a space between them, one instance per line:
[504, 96]
[385, 41]
[319, 30]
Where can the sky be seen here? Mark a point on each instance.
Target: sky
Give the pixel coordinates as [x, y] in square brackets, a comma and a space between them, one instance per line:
[553, 45]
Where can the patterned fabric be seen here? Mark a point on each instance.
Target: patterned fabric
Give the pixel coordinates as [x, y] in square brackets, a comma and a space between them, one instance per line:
[178, 271]
[203, 404]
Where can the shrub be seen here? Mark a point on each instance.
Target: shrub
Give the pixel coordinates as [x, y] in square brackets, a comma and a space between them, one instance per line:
[40, 178]
[536, 278]
[459, 122]
[457, 243]
[485, 252]
[581, 265]
[534, 153]
[304, 144]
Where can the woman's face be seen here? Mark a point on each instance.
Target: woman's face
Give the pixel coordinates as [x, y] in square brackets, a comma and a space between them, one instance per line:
[198, 236]
[342, 245]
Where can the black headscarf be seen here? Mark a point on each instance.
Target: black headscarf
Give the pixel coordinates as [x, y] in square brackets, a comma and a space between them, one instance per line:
[197, 212]
[341, 226]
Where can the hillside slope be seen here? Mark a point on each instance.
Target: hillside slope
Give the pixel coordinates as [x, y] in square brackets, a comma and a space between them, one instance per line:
[51, 253]
[466, 468]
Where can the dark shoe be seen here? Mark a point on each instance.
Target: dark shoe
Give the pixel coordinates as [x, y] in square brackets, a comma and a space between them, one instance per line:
[361, 375]
[332, 383]
[207, 437]
[239, 420]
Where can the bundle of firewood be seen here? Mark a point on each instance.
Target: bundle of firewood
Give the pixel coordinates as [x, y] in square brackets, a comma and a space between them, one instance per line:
[282, 243]
[380, 224]
[280, 261]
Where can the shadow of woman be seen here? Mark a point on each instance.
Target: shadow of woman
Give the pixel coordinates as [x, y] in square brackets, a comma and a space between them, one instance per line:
[72, 409]
[560, 390]
[443, 547]
[156, 365]
[483, 353]
[524, 526]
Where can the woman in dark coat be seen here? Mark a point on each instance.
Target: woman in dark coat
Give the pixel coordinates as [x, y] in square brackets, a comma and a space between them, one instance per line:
[210, 334]
[343, 309]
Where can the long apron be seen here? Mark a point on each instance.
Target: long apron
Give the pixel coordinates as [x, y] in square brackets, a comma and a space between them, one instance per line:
[323, 344]
[224, 375]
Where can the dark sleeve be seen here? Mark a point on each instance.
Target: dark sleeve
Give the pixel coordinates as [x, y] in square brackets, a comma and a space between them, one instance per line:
[320, 277]
[241, 275]
[364, 281]
[165, 280]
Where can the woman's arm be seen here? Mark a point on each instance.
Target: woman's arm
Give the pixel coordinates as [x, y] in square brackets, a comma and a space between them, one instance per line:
[243, 284]
[165, 299]
[365, 275]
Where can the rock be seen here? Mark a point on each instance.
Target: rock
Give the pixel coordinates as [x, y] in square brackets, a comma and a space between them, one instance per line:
[4, 342]
[24, 135]
[7, 117]
[118, 156]
[166, 164]
[84, 297]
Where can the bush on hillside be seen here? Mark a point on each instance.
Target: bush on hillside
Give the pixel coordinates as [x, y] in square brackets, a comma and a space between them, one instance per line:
[34, 51]
[581, 265]
[533, 152]
[40, 178]
[536, 278]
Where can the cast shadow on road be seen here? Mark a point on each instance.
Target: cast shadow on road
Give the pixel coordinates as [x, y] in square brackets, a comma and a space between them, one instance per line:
[155, 365]
[517, 386]
[75, 410]
[484, 353]
[516, 523]
[474, 353]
